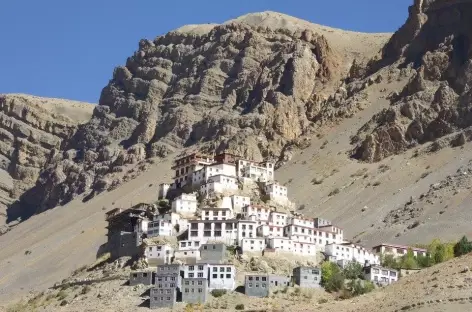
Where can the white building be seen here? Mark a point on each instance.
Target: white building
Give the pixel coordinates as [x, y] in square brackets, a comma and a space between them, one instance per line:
[213, 230]
[277, 193]
[195, 270]
[263, 172]
[216, 214]
[256, 213]
[157, 254]
[186, 165]
[269, 230]
[299, 234]
[163, 190]
[398, 250]
[278, 219]
[304, 249]
[222, 276]
[185, 204]
[201, 176]
[280, 244]
[257, 244]
[219, 184]
[300, 221]
[380, 276]
[351, 252]
[336, 233]
[168, 224]
[246, 229]
[238, 202]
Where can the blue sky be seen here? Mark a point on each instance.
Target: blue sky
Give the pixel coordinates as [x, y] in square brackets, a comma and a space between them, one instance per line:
[68, 49]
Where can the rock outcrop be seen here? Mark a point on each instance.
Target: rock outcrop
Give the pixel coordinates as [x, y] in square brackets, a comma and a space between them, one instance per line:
[435, 43]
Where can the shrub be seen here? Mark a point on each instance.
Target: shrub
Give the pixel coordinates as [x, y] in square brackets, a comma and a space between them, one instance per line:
[317, 180]
[239, 307]
[218, 293]
[353, 271]
[376, 183]
[63, 303]
[86, 290]
[331, 277]
[462, 247]
[425, 174]
[334, 192]
[61, 295]
[322, 300]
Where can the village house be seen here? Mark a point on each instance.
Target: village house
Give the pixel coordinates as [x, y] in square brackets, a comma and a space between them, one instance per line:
[260, 285]
[259, 172]
[280, 244]
[257, 244]
[217, 230]
[158, 254]
[219, 184]
[238, 202]
[195, 270]
[398, 250]
[380, 276]
[307, 277]
[188, 252]
[203, 175]
[351, 252]
[222, 276]
[185, 204]
[142, 277]
[278, 219]
[277, 193]
[168, 280]
[216, 214]
[185, 166]
[246, 229]
[194, 290]
[168, 224]
[319, 222]
[256, 213]
[269, 230]
[213, 253]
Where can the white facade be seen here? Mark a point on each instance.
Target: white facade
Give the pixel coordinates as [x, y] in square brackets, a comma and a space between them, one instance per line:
[263, 172]
[238, 202]
[334, 230]
[398, 250]
[195, 270]
[168, 224]
[246, 229]
[282, 244]
[216, 214]
[256, 213]
[201, 176]
[219, 184]
[277, 193]
[222, 276]
[310, 223]
[351, 252]
[163, 190]
[380, 275]
[185, 204]
[186, 254]
[204, 231]
[159, 254]
[278, 219]
[257, 244]
[304, 249]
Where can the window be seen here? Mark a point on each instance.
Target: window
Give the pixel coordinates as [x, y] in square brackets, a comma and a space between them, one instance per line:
[190, 275]
[257, 285]
[167, 291]
[187, 283]
[305, 277]
[222, 269]
[228, 275]
[215, 275]
[168, 298]
[200, 274]
[135, 275]
[250, 278]
[172, 285]
[228, 269]
[263, 278]
[200, 290]
[249, 285]
[193, 290]
[200, 267]
[191, 268]
[257, 278]
[200, 283]
[205, 247]
[215, 269]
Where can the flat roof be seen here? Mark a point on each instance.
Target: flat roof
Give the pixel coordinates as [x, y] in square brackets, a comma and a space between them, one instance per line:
[400, 246]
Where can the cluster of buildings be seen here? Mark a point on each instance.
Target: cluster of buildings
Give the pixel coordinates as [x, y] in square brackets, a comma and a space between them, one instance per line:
[194, 263]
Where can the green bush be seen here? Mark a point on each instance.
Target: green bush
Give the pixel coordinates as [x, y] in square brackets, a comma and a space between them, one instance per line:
[61, 295]
[239, 306]
[462, 247]
[218, 293]
[353, 271]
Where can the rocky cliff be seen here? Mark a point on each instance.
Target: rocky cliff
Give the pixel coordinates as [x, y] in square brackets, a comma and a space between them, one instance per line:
[435, 46]
[246, 86]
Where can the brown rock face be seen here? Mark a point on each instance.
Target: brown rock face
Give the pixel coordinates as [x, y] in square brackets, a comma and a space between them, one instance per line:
[436, 41]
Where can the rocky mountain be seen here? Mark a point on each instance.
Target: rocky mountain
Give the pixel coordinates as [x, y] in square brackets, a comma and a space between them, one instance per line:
[32, 131]
[435, 45]
[247, 86]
